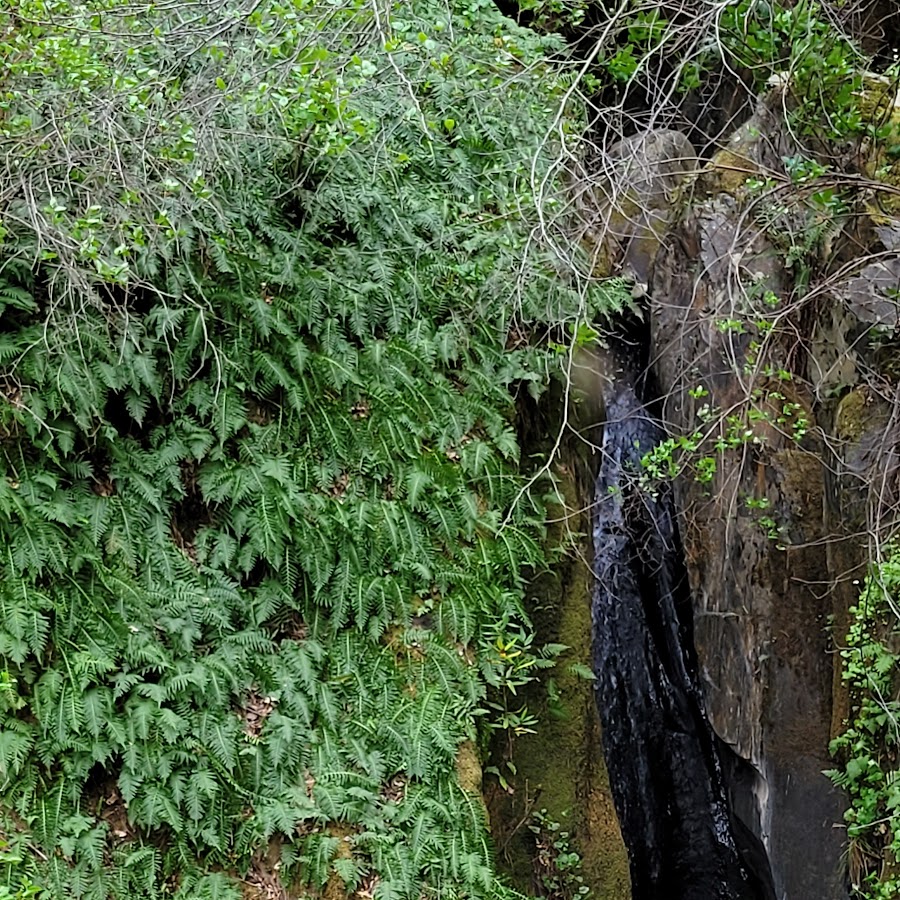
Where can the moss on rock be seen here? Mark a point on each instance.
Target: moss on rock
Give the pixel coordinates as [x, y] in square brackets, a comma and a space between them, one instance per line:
[853, 417]
[727, 173]
[560, 768]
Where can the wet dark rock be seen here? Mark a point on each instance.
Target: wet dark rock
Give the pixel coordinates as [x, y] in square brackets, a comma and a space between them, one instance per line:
[715, 653]
[661, 752]
[762, 597]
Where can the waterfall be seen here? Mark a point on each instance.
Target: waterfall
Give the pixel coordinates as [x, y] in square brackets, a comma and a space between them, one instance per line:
[661, 752]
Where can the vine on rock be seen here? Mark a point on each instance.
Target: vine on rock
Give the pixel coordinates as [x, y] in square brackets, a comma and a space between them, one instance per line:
[869, 747]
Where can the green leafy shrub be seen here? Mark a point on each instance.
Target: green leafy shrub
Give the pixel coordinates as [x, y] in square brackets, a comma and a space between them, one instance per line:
[268, 289]
[554, 15]
[652, 53]
[821, 65]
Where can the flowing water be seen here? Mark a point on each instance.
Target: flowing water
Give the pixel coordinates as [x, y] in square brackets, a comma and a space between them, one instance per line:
[660, 749]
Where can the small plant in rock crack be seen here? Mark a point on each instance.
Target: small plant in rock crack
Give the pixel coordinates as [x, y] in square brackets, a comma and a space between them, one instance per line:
[509, 661]
[557, 864]
[802, 222]
[667, 459]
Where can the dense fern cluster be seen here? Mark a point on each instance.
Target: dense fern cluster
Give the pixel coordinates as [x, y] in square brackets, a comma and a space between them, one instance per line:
[267, 292]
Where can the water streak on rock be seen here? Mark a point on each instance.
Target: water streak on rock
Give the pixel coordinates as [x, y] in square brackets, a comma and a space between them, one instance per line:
[660, 749]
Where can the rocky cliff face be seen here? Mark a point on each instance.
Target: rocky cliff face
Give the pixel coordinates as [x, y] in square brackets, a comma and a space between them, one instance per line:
[771, 300]
[761, 591]
[769, 290]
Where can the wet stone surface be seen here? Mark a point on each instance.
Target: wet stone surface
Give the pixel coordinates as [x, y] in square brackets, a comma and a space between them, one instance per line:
[661, 752]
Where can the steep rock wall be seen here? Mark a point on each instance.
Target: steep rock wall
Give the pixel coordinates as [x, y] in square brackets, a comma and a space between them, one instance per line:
[777, 539]
[774, 325]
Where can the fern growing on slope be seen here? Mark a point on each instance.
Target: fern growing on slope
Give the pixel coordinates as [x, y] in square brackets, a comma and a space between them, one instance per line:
[261, 329]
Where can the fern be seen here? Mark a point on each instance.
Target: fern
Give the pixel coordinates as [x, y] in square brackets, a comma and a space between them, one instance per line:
[256, 433]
